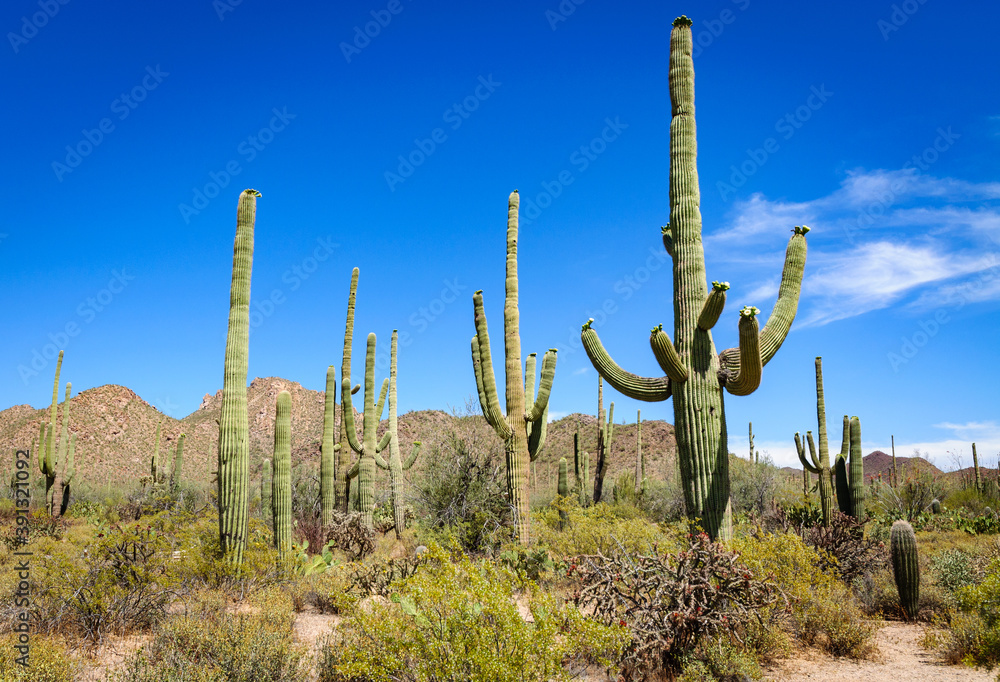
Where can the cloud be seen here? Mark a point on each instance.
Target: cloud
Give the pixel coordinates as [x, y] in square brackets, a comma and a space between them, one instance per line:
[582, 370]
[882, 238]
[556, 415]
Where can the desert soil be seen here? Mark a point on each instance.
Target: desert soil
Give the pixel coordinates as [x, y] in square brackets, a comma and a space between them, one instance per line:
[902, 660]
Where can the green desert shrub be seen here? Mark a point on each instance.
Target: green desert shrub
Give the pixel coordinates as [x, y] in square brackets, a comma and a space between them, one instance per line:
[256, 645]
[823, 610]
[600, 528]
[49, 661]
[974, 637]
[457, 620]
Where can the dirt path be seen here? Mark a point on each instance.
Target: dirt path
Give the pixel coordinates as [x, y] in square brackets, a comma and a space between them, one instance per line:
[903, 660]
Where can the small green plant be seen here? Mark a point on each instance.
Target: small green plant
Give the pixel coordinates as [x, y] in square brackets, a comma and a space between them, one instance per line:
[906, 568]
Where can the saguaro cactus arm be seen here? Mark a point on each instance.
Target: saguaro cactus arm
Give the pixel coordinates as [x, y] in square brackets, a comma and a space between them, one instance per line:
[715, 302]
[541, 403]
[632, 385]
[413, 456]
[814, 466]
[747, 379]
[380, 405]
[666, 355]
[780, 319]
[347, 410]
[380, 461]
[482, 362]
[383, 442]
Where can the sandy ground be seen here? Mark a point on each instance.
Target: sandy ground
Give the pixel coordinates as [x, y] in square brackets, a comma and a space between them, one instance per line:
[902, 660]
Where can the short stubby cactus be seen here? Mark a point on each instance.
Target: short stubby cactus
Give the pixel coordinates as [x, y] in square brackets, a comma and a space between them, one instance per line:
[523, 427]
[234, 428]
[695, 375]
[905, 567]
[935, 506]
[281, 500]
[395, 464]
[370, 446]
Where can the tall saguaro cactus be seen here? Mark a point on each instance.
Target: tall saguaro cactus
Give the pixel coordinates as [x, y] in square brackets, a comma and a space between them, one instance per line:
[281, 495]
[342, 484]
[396, 465]
[63, 464]
[175, 474]
[640, 465]
[369, 447]
[68, 476]
[820, 462]
[695, 374]
[154, 465]
[605, 434]
[47, 462]
[850, 475]
[581, 470]
[234, 428]
[266, 493]
[975, 467]
[522, 428]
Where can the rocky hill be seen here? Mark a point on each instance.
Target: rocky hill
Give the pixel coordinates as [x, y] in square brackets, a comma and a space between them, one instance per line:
[116, 430]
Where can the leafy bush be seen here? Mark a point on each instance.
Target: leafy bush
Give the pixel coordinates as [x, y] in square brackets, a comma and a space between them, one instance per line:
[912, 497]
[953, 569]
[671, 604]
[975, 631]
[602, 528]
[822, 608]
[49, 661]
[458, 621]
[753, 485]
[217, 646]
[463, 490]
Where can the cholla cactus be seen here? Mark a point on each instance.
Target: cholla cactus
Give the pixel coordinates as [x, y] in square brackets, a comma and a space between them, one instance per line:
[522, 428]
[695, 375]
[396, 465]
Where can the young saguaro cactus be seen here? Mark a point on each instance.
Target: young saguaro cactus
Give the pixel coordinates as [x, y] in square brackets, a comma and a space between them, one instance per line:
[605, 434]
[395, 465]
[234, 430]
[522, 428]
[695, 374]
[370, 446]
[905, 567]
[281, 496]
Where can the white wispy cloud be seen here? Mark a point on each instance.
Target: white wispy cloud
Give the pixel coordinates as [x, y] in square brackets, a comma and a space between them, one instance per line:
[881, 238]
[582, 370]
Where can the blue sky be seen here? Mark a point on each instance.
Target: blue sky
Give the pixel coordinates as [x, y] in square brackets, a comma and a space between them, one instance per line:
[387, 135]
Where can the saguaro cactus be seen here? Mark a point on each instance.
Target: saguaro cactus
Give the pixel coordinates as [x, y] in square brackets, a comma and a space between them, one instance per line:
[328, 450]
[895, 472]
[47, 461]
[343, 458]
[605, 434]
[851, 475]
[63, 465]
[175, 474]
[905, 567]
[234, 429]
[281, 500]
[820, 464]
[154, 465]
[563, 489]
[581, 470]
[69, 475]
[266, 493]
[695, 374]
[522, 428]
[753, 459]
[395, 465]
[975, 467]
[369, 446]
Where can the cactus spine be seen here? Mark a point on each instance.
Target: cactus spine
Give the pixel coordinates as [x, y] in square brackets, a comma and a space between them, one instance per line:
[328, 451]
[820, 464]
[343, 458]
[522, 428]
[395, 465]
[369, 447]
[281, 500]
[175, 475]
[905, 567]
[695, 374]
[975, 467]
[605, 432]
[234, 430]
